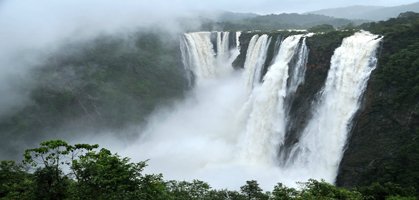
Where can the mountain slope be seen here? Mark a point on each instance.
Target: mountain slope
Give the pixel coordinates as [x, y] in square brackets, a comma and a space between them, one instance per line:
[97, 86]
[374, 13]
[274, 22]
[350, 12]
[384, 145]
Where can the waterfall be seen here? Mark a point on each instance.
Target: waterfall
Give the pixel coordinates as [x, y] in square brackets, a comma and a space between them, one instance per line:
[222, 47]
[232, 125]
[265, 125]
[205, 59]
[255, 58]
[238, 34]
[298, 72]
[321, 145]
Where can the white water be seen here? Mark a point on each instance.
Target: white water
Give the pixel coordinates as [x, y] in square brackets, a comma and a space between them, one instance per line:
[227, 132]
[200, 58]
[255, 59]
[299, 71]
[238, 34]
[265, 127]
[321, 147]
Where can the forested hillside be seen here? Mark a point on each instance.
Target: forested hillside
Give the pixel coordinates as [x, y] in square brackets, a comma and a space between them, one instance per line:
[107, 83]
[275, 22]
[373, 13]
[384, 146]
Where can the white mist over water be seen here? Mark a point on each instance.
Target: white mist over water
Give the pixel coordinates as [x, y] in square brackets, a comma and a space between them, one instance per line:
[226, 132]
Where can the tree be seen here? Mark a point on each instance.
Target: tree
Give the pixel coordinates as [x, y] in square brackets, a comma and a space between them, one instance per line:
[253, 191]
[50, 182]
[15, 183]
[322, 28]
[321, 190]
[103, 175]
[281, 192]
[188, 190]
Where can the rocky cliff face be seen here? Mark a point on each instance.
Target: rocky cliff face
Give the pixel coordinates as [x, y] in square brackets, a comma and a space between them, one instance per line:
[384, 141]
[384, 146]
[321, 48]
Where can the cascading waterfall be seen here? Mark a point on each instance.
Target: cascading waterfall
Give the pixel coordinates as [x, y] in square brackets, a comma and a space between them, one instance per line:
[238, 34]
[255, 58]
[265, 125]
[199, 56]
[222, 47]
[298, 72]
[233, 124]
[321, 146]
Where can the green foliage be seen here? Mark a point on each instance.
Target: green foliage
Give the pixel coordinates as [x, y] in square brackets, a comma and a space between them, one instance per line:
[391, 114]
[281, 192]
[188, 190]
[102, 175]
[274, 22]
[321, 190]
[252, 191]
[106, 83]
[50, 184]
[15, 183]
[322, 28]
[387, 190]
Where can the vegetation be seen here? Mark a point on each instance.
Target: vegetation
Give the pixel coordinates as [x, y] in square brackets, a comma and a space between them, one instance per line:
[57, 170]
[322, 28]
[274, 22]
[384, 146]
[107, 84]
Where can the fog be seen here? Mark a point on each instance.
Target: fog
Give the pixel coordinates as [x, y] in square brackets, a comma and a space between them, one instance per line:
[33, 29]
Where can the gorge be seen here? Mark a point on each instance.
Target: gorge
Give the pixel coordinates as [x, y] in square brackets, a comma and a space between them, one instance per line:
[225, 102]
[237, 121]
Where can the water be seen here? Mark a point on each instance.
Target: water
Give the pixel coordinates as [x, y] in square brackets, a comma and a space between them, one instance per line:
[321, 146]
[255, 58]
[265, 127]
[232, 125]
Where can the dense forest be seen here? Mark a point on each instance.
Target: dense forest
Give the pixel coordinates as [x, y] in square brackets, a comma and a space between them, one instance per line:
[108, 83]
[384, 145]
[241, 22]
[59, 170]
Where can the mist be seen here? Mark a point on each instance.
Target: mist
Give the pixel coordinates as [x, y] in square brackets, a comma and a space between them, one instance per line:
[37, 34]
[33, 29]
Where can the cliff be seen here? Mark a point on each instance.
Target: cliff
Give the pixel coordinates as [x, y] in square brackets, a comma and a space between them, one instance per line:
[384, 146]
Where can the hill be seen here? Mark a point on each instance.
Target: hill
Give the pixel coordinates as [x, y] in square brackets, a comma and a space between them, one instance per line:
[238, 21]
[374, 13]
[384, 145]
